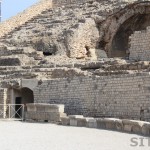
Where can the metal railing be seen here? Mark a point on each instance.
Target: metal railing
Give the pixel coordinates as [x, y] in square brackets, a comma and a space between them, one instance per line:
[12, 111]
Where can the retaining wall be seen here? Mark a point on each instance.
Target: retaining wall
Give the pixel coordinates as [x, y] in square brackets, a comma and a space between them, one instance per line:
[122, 96]
[124, 125]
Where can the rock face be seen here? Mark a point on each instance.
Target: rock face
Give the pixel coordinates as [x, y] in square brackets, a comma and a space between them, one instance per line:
[66, 52]
[82, 38]
[71, 30]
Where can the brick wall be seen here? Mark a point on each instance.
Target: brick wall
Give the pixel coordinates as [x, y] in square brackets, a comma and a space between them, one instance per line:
[125, 96]
[140, 45]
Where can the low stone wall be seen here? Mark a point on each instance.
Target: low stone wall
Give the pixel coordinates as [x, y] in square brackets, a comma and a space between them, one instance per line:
[131, 126]
[44, 112]
[139, 45]
[120, 96]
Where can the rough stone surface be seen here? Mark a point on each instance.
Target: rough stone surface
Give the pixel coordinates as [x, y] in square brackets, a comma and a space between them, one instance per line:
[124, 96]
[67, 53]
[44, 112]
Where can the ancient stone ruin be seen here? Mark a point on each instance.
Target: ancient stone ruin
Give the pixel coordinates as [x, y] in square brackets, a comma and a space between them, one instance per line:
[92, 56]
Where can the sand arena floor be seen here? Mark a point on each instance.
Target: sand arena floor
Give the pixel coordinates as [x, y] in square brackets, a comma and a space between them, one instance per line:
[16, 135]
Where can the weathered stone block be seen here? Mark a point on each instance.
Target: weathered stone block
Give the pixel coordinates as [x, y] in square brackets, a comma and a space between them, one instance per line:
[127, 128]
[146, 129]
[73, 121]
[136, 129]
[65, 121]
[31, 107]
[54, 108]
[40, 107]
[132, 126]
[81, 122]
[119, 125]
[110, 123]
[101, 123]
[91, 122]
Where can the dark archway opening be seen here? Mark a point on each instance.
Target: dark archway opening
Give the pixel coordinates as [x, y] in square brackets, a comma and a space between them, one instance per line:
[120, 43]
[22, 96]
[27, 96]
[17, 107]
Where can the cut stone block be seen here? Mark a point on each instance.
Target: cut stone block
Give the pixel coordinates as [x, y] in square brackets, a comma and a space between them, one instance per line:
[54, 108]
[40, 107]
[81, 122]
[132, 126]
[91, 122]
[146, 129]
[73, 121]
[119, 125]
[136, 129]
[75, 116]
[110, 123]
[65, 121]
[31, 107]
[130, 122]
[127, 128]
[100, 123]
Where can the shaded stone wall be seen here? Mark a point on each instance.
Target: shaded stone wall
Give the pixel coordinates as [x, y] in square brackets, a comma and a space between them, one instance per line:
[123, 96]
[140, 45]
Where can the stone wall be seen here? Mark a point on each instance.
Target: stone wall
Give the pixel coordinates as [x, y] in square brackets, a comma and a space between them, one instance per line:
[139, 45]
[123, 96]
[3, 100]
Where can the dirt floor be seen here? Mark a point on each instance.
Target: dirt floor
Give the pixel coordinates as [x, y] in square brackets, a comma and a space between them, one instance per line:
[16, 135]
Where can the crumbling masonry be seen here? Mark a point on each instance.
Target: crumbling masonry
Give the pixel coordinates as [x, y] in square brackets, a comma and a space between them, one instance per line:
[91, 56]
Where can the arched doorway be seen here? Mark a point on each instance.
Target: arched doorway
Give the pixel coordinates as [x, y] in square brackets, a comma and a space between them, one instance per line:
[21, 97]
[27, 95]
[117, 28]
[24, 95]
[120, 42]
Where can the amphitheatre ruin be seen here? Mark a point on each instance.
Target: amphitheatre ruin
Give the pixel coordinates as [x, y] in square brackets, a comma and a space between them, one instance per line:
[80, 63]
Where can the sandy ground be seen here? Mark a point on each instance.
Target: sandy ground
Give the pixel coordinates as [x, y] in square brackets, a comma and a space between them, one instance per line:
[16, 135]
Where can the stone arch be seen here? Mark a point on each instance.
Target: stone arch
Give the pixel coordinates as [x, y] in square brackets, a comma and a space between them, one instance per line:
[27, 95]
[20, 96]
[116, 25]
[23, 96]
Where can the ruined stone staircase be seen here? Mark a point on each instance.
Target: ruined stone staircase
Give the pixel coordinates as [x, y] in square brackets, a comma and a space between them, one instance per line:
[53, 23]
